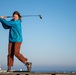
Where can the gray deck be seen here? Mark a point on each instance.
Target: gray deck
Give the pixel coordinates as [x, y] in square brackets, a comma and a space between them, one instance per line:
[34, 73]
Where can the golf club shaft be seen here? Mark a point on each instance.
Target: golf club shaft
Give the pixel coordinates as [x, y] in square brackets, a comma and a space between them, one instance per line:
[26, 16]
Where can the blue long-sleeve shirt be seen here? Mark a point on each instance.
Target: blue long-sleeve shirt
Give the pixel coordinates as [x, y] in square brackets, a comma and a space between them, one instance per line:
[15, 29]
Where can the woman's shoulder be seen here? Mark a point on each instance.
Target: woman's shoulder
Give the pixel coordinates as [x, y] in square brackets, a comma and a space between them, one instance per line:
[15, 20]
[12, 20]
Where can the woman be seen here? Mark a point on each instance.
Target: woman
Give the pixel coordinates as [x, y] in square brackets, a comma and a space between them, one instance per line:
[15, 40]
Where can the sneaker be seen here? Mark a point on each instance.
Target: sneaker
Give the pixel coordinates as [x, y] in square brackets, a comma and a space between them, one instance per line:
[28, 65]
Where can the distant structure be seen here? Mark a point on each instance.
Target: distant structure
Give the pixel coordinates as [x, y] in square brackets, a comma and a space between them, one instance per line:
[20, 69]
[0, 68]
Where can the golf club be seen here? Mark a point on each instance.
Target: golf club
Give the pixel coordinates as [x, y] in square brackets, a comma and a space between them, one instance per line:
[26, 16]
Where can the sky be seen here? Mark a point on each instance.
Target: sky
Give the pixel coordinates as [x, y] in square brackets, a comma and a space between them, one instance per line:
[49, 43]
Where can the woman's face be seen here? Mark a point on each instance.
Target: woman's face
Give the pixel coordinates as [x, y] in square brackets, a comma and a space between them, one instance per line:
[15, 17]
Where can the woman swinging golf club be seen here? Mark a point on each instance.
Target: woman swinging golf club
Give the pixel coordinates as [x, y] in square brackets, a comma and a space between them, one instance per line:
[15, 40]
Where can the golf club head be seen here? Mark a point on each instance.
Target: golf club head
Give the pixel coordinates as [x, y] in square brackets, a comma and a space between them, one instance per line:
[40, 16]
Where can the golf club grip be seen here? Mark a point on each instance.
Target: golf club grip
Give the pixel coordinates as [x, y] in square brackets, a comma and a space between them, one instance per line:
[8, 16]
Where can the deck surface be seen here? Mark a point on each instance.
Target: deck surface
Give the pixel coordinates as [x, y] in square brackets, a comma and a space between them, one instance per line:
[33, 73]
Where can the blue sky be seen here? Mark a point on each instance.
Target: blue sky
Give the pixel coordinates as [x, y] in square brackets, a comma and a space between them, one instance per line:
[50, 43]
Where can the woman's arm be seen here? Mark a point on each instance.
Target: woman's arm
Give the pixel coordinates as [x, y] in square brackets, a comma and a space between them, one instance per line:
[7, 23]
[5, 26]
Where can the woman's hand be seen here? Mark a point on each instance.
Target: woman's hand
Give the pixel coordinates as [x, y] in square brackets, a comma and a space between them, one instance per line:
[2, 16]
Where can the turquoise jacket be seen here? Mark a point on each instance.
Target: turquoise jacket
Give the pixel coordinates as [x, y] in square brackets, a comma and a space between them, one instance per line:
[15, 29]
